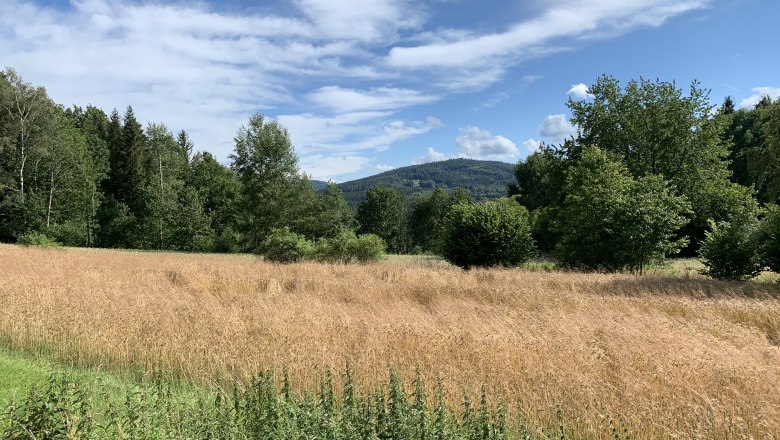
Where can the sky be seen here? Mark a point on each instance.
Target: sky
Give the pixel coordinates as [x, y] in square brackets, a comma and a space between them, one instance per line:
[365, 86]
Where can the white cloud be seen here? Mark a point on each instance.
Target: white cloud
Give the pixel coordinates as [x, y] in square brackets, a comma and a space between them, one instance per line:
[557, 128]
[481, 144]
[580, 92]
[199, 68]
[186, 64]
[571, 18]
[323, 141]
[377, 21]
[331, 167]
[351, 131]
[758, 94]
[381, 98]
[431, 156]
[531, 145]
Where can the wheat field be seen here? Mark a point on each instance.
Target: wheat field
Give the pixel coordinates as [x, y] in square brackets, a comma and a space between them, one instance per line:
[662, 356]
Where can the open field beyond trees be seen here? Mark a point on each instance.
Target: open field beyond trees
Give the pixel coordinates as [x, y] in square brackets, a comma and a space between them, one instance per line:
[663, 355]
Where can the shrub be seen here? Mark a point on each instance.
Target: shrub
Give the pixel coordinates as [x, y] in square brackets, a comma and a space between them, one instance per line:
[69, 233]
[334, 249]
[611, 221]
[730, 251]
[285, 246]
[367, 247]
[35, 238]
[495, 233]
[347, 247]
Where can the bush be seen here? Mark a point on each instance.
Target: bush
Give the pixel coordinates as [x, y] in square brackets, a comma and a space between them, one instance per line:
[730, 251]
[69, 233]
[495, 233]
[347, 247]
[611, 221]
[35, 238]
[285, 246]
[367, 248]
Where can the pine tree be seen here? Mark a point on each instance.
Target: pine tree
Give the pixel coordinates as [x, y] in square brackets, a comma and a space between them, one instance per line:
[113, 139]
[728, 106]
[130, 162]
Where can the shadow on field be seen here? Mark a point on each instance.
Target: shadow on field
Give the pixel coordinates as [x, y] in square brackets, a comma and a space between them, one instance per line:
[692, 288]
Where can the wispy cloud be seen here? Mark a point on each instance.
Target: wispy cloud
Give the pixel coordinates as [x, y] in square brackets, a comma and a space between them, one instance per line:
[381, 98]
[343, 75]
[465, 53]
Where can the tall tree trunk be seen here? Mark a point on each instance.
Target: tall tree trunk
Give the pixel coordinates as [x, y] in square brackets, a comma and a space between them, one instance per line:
[52, 187]
[21, 169]
[91, 220]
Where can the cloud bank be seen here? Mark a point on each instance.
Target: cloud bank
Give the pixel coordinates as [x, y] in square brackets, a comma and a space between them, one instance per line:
[347, 77]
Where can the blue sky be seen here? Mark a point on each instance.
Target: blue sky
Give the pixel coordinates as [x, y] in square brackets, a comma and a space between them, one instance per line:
[368, 85]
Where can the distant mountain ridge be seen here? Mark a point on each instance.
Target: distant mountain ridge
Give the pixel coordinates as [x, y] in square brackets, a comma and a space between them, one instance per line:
[483, 179]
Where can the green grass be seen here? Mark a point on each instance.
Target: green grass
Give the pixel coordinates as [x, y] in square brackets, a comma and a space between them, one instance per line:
[18, 373]
[41, 399]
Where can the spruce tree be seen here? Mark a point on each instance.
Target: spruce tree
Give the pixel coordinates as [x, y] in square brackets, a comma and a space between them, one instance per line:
[130, 162]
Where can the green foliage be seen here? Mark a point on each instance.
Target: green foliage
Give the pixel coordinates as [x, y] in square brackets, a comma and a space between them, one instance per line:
[611, 221]
[731, 251]
[347, 247]
[266, 165]
[335, 215]
[218, 190]
[59, 411]
[656, 129]
[118, 225]
[544, 228]
[769, 239]
[66, 408]
[317, 214]
[540, 179]
[69, 233]
[429, 211]
[754, 135]
[653, 127]
[34, 238]
[383, 213]
[367, 248]
[86, 178]
[493, 233]
[126, 145]
[284, 246]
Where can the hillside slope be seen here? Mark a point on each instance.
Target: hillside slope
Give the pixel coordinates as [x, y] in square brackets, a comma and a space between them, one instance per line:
[482, 179]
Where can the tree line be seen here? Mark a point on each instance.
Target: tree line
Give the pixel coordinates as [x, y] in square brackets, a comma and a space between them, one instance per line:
[86, 178]
[652, 172]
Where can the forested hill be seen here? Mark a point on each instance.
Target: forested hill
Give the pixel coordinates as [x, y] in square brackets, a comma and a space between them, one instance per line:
[482, 179]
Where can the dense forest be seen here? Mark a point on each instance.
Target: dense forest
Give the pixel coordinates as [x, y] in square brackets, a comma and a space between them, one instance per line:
[652, 172]
[482, 179]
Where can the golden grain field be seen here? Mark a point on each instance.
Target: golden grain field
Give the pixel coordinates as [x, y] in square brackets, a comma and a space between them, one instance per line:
[683, 357]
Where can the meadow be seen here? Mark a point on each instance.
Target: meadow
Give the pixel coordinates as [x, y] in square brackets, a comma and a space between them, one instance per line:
[665, 354]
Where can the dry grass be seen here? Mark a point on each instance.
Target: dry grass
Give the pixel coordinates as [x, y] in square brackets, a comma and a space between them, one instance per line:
[684, 357]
